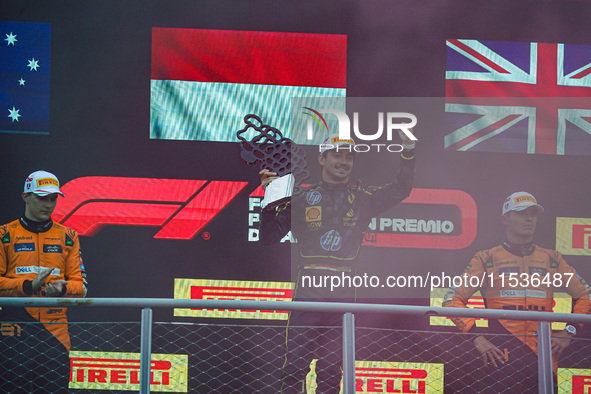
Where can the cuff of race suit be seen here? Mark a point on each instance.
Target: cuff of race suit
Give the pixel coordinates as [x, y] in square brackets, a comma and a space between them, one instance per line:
[479, 330]
[64, 291]
[28, 287]
[408, 154]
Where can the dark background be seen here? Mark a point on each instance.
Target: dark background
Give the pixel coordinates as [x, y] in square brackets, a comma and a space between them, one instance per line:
[99, 126]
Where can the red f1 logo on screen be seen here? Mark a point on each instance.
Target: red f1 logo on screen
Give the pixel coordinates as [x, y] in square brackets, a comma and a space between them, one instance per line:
[181, 207]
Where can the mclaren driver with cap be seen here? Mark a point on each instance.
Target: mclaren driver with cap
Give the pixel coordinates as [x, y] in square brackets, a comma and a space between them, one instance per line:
[329, 220]
[510, 271]
[38, 258]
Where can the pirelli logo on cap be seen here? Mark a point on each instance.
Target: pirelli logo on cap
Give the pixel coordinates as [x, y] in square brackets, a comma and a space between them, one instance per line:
[574, 380]
[562, 304]
[336, 140]
[573, 236]
[47, 182]
[524, 198]
[391, 377]
[121, 371]
[208, 289]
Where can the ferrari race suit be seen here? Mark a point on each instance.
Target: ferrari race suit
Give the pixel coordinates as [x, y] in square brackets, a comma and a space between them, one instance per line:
[517, 277]
[329, 222]
[34, 353]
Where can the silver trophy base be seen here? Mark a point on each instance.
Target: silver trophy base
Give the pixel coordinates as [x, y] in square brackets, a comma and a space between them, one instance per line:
[278, 191]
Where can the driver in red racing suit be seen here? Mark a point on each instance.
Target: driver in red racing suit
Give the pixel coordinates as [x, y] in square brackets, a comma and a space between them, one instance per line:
[518, 275]
[329, 221]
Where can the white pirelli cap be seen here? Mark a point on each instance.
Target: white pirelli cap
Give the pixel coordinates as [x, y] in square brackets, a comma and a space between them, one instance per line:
[519, 201]
[42, 183]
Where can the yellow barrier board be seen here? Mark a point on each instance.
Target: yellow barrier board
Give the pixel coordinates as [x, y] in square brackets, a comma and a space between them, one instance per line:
[121, 371]
[390, 377]
[210, 289]
[573, 236]
[574, 381]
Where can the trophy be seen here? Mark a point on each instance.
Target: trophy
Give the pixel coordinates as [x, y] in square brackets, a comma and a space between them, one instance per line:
[276, 153]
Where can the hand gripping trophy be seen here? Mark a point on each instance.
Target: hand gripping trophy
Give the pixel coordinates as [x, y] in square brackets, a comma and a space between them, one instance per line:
[276, 153]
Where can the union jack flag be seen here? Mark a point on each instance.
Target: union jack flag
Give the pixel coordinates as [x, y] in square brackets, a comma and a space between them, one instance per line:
[518, 97]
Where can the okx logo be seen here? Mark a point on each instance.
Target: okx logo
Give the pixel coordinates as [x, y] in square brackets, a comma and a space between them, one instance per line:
[181, 207]
[389, 122]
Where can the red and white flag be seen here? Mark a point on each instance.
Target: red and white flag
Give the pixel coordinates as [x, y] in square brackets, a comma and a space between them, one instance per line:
[205, 81]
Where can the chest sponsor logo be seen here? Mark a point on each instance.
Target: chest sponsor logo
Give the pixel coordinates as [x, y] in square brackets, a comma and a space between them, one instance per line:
[24, 247]
[351, 198]
[52, 248]
[512, 293]
[3, 234]
[509, 270]
[331, 241]
[349, 222]
[527, 293]
[507, 262]
[33, 269]
[538, 271]
[120, 371]
[314, 214]
[313, 197]
[24, 238]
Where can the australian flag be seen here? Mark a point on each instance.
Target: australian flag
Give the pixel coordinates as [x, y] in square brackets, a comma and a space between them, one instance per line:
[24, 77]
[518, 97]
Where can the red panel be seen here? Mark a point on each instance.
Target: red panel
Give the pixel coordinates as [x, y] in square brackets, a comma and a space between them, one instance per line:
[201, 210]
[84, 211]
[92, 216]
[254, 57]
[86, 189]
[459, 198]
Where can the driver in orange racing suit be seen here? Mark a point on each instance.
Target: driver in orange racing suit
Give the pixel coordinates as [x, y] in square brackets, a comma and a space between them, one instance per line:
[517, 275]
[38, 258]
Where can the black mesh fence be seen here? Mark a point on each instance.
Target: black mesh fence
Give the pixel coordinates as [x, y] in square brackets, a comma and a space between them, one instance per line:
[209, 358]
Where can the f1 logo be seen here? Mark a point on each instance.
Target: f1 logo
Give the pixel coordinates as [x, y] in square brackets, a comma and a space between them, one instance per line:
[181, 207]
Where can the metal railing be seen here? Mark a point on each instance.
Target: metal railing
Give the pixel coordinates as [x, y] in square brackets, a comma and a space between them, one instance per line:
[545, 367]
